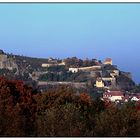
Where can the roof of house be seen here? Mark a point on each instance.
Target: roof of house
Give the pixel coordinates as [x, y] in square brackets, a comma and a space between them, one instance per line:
[114, 93]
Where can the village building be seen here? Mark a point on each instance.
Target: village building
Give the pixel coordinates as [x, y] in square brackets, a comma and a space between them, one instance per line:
[99, 83]
[135, 97]
[73, 70]
[113, 95]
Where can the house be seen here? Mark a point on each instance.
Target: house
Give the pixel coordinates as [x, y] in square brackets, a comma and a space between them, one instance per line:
[99, 83]
[135, 97]
[113, 95]
[73, 70]
[108, 61]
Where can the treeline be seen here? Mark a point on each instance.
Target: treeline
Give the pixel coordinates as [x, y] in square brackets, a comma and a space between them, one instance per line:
[76, 62]
[70, 62]
[60, 112]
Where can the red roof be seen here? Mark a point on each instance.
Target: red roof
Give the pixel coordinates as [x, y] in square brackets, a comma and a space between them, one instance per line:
[108, 59]
[114, 93]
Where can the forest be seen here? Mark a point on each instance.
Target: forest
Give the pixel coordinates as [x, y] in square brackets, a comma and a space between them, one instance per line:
[60, 112]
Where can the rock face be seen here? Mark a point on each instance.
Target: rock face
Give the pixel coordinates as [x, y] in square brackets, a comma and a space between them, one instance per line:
[6, 62]
[124, 81]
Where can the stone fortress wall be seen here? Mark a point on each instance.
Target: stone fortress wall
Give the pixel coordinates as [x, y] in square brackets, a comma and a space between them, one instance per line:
[7, 63]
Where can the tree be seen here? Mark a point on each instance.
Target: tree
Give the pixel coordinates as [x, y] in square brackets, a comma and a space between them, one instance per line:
[17, 106]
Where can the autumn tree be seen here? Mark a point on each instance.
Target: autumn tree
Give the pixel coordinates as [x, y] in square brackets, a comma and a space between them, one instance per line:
[17, 107]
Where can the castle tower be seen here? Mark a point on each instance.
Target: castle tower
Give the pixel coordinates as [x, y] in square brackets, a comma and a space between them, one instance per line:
[108, 61]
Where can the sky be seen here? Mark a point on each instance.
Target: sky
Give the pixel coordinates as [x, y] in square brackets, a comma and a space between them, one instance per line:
[83, 30]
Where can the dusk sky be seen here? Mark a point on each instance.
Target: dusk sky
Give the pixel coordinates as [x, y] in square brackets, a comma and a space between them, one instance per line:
[81, 30]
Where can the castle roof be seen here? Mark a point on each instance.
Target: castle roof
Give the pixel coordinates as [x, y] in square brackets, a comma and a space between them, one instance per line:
[108, 59]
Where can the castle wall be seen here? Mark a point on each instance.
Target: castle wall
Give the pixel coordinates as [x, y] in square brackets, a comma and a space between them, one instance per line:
[7, 63]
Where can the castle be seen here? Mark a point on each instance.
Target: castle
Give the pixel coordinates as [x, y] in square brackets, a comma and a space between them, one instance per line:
[106, 78]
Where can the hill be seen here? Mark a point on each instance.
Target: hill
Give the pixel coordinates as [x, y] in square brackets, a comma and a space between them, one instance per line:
[92, 72]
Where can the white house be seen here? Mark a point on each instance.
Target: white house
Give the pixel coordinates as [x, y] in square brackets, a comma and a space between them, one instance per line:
[134, 98]
[73, 70]
[113, 95]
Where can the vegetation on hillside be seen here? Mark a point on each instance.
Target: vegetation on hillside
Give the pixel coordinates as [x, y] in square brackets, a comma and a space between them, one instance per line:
[61, 112]
[30, 70]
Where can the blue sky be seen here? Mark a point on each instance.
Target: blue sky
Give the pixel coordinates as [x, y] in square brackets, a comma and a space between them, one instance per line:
[66, 30]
